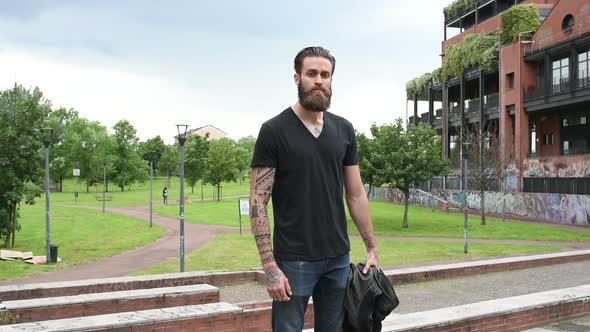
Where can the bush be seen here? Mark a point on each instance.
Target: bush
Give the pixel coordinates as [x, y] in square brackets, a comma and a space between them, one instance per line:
[458, 7]
[517, 19]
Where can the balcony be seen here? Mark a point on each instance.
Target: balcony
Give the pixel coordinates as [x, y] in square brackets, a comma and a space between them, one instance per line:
[562, 92]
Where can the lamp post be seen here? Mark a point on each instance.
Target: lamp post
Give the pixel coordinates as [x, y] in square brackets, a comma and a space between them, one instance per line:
[182, 128]
[463, 160]
[151, 190]
[47, 133]
[104, 186]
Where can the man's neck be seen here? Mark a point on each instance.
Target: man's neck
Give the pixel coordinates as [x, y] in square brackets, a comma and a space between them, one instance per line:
[306, 115]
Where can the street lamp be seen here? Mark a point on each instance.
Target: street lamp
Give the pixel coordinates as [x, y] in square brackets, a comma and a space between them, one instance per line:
[182, 128]
[463, 159]
[151, 191]
[104, 185]
[47, 134]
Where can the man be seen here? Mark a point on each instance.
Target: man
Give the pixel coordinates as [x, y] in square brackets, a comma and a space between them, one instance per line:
[303, 158]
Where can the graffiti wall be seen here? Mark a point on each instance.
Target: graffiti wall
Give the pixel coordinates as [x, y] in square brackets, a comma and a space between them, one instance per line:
[554, 208]
[570, 166]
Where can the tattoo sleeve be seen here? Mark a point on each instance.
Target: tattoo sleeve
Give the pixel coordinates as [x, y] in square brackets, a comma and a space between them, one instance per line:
[260, 192]
[369, 239]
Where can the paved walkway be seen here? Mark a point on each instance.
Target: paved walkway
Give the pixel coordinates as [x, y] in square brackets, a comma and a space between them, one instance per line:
[196, 236]
[457, 291]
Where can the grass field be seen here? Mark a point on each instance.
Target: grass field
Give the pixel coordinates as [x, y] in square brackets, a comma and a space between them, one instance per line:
[387, 220]
[82, 236]
[140, 193]
[243, 255]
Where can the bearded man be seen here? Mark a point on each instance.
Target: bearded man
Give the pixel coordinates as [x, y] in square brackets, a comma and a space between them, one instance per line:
[304, 159]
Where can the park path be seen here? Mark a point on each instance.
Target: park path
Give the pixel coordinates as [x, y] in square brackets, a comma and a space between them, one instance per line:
[196, 236]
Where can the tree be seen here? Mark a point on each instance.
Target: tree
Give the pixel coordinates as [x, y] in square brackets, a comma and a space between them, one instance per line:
[196, 156]
[61, 166]
[485, 167]
[152, 150]
[402, 158]
[128, 166]
[89, 147]
[22, 114]
[246, 151]
[169, 161]
[368, 172]
[224, 163]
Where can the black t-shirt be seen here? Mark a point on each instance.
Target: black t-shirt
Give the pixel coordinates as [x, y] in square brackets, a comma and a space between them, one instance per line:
[309, 218]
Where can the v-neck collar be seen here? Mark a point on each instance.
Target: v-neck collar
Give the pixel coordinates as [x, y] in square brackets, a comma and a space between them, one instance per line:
[304, 127]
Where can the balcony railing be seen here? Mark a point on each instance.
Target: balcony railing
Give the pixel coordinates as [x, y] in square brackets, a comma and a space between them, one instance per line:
[583, 80]
[560, 85]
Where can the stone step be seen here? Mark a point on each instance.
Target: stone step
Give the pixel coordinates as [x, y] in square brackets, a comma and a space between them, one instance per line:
[516, 313]
[31, 310]
[65, 288]
[219, 316]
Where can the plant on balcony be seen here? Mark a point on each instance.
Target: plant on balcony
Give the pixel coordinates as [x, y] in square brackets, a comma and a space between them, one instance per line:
[419, 84]
[476, 50]
[437, 75]
[458, 8]
[517, 19]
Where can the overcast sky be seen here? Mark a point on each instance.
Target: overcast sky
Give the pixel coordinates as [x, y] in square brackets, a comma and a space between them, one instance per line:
[223, 63]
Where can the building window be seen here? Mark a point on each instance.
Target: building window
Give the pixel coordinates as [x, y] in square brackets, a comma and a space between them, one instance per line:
[533, 140]
[583, 69]
[566, 148]
[561, 75]
[574, 119]
[510, 80]
[548, 139]
[568, 23]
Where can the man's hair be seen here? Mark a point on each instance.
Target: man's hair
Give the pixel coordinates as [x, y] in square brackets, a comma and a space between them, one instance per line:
[313, 51]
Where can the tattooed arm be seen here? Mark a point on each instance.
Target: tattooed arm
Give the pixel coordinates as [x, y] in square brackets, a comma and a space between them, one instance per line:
[358, 206]
[261, 184]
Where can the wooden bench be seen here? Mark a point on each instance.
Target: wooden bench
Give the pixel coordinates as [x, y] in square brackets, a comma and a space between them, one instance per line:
[107, 197]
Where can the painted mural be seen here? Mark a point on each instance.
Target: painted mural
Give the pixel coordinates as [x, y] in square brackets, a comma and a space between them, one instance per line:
[552, 167]
[554, 208]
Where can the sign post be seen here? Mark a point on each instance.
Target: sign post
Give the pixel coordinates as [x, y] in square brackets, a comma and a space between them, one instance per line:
[243, 208]
[76, 175]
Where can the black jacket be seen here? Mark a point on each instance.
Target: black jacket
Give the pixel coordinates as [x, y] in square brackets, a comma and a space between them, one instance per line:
[369, 299]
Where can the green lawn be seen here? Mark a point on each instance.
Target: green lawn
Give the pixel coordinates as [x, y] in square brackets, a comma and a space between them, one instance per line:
[387, 220]
[82, 235]
[222, 213]
[240, 254]
[139, 194]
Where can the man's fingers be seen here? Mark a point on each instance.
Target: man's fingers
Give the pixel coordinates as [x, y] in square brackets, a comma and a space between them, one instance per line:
[288, 287]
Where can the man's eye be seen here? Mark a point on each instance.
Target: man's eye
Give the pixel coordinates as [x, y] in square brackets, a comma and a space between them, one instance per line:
[326, 75]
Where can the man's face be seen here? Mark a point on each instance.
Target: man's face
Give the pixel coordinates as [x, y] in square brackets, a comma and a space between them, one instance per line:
[314, 85]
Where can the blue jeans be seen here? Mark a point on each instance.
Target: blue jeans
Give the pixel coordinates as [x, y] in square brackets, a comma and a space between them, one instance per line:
[326, 281]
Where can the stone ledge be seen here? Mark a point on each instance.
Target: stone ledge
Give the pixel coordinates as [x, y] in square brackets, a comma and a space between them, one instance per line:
[65, 288]
[126, 319]
[109, 296]
[446, 317]
[435, 272]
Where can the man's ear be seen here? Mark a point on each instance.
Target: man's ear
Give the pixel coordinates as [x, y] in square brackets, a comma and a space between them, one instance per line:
[297, 78]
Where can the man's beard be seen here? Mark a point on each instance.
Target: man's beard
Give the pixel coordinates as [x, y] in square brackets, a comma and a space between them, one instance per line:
[314, 101]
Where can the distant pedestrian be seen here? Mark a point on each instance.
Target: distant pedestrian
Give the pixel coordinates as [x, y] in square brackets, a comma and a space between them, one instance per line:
[165, 195]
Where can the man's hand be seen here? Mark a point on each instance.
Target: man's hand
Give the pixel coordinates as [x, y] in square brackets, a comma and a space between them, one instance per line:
[371, 260]
[277, 285]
